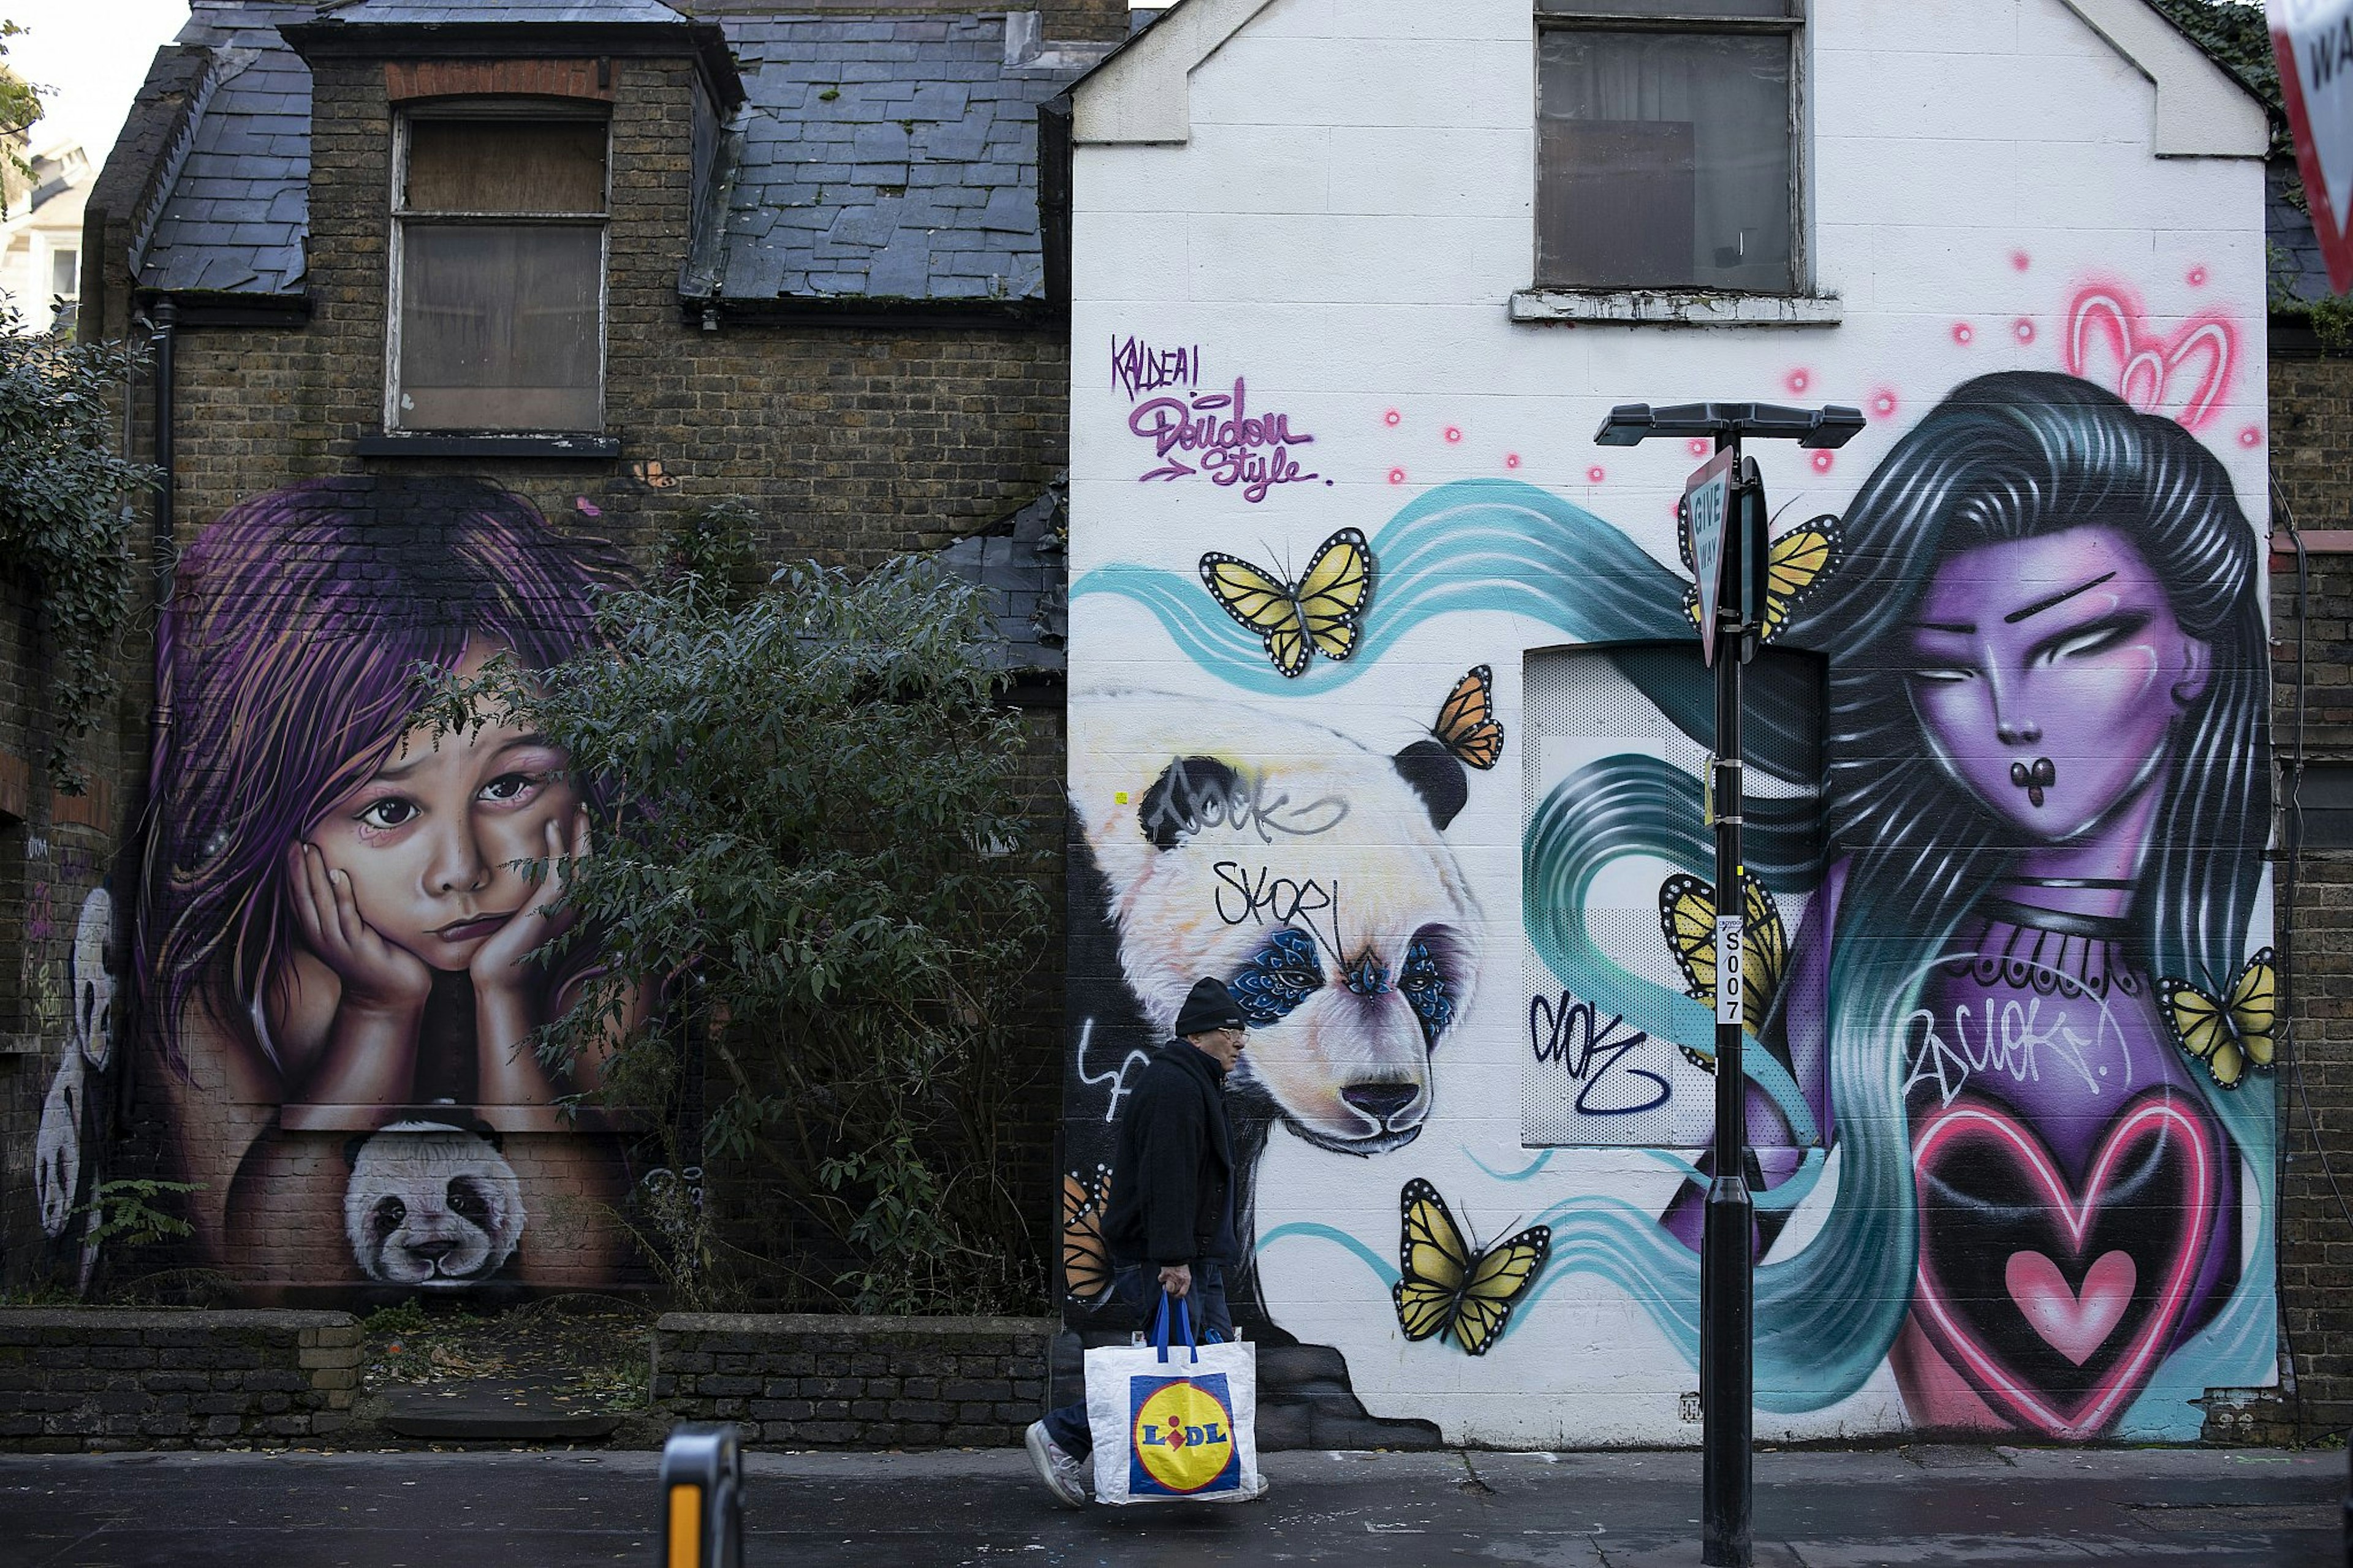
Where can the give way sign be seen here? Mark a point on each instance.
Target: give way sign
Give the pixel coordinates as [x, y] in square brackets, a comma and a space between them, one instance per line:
[2313, 41]
[1707, 507]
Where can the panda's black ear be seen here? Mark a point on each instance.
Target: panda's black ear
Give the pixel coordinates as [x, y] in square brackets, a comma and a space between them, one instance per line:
[1175, 804]
[1437, 777]
[352, 1147]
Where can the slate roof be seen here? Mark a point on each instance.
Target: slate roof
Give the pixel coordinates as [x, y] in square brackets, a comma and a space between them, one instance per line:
[891, 157]
[884, 157]
[240, 205]
[1022, 563]
[2297, 271]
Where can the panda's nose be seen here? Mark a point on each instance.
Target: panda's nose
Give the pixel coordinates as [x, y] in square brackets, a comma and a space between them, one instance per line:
[1380, 1102]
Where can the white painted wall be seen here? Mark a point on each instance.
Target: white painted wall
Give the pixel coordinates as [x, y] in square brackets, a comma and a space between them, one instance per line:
[1346, 226]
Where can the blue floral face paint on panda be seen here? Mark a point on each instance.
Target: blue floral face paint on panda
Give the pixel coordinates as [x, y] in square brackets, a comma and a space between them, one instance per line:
[1278, 977]
[1424, 986]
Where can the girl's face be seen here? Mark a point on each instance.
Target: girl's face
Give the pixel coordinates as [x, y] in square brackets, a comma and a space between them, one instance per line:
[427, 840]
[2047, 674]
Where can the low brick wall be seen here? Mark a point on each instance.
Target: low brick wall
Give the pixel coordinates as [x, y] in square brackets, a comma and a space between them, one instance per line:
[98, 1378]
[814, 1382]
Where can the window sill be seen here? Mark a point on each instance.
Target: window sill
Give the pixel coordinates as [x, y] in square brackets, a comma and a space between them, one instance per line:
[1675, 308]
[487, 444]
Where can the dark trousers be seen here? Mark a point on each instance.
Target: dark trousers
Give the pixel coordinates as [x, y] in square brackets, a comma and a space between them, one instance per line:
[1068, 1426]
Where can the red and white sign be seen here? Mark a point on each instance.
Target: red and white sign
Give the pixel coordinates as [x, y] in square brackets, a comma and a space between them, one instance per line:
[1707, 506]
[2313, 41]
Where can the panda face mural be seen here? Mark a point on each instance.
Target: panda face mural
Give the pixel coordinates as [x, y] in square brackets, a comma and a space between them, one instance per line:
[1306, 870]
[431, 1204]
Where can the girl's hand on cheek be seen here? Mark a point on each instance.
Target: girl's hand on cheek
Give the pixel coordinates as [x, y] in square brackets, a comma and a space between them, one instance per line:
[377, 976]
[500, 962]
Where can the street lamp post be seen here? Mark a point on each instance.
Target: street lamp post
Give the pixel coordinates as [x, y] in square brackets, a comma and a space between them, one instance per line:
[1727, 519]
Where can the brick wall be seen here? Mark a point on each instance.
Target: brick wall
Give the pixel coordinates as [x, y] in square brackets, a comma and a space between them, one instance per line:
[855, 442]
[808, 1382]
[2312, 459]
[93, 1379]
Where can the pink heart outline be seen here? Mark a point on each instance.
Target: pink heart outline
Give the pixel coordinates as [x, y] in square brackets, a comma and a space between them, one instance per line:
[1982, 1123]
[2072, 1322]
[2142, 367]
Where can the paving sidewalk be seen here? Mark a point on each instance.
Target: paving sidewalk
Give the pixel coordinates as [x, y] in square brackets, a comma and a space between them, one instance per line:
[1987, 1508]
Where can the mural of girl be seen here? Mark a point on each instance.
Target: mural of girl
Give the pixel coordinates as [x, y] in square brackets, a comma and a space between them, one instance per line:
[2047, 792]
[2079, 643]
[337, 932]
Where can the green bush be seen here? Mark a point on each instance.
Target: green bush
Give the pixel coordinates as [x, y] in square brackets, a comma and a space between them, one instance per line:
[811, 834]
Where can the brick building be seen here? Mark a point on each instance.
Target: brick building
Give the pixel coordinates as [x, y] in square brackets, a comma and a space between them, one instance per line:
[454, 307]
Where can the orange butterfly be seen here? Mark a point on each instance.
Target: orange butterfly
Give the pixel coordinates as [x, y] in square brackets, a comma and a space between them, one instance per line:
[1467, 725]
[1086, 1262]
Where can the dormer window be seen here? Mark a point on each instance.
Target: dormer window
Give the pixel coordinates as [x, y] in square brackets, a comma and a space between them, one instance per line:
[497, 269]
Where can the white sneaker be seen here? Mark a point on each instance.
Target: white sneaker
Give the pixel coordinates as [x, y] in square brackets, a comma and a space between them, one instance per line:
[1265, 1485]
[1064, 1476]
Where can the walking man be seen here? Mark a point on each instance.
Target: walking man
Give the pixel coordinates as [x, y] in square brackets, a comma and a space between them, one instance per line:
[1170, 1226]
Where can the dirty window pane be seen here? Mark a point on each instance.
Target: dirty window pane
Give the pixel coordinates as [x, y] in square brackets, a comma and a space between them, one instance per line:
[506, 166]
[1665, 160]
[500, 326]
[65, 274]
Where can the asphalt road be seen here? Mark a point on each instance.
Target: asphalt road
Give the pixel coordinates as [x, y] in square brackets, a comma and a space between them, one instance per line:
[1982, 1507]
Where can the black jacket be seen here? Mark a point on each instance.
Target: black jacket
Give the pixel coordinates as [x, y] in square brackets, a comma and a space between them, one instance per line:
[1172, 1174]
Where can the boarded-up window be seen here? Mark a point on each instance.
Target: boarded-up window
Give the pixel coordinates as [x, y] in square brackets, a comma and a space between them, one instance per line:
[1666, 153]
[501, 275]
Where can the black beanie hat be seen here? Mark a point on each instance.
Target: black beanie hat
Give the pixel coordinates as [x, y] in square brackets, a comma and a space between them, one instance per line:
[1209, 1006]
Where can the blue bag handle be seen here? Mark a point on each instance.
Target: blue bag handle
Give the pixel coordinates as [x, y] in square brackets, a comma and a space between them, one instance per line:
[1184, 1321]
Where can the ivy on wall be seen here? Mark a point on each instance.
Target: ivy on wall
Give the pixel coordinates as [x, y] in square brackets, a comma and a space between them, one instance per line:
[64, 513]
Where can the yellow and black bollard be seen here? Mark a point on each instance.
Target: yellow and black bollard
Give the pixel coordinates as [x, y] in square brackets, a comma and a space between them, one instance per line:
[702, 1497]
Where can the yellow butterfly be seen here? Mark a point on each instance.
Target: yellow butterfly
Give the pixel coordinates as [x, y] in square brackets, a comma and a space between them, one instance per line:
[650, 473]
[1451, 1287]
[2229, 1035]
[1796, 564]
[1687, 915]
[1467, 725]
[1086, 1262]
[1321, 613]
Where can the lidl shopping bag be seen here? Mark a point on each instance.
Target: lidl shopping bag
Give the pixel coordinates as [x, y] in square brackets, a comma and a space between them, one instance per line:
[1174, 1424]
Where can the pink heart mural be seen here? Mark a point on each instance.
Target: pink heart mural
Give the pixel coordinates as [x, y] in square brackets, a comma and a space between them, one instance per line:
[2076, 1323]
[2183, 376]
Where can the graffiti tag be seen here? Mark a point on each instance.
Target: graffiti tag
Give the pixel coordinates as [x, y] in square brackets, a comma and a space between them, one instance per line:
[1571, 1034]
[1246, 894]
[1223, 439]
[1136, 367]
[1187, 806]
[2011, 1036]
[1116, 1077]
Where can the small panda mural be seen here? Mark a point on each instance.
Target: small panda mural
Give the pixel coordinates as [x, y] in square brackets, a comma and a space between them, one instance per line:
[1308, 871]
[431, 1204]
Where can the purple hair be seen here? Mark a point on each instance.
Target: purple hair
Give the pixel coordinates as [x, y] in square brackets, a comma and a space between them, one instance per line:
[285, 675]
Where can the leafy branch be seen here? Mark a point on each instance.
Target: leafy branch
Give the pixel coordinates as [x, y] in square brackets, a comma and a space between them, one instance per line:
[809, 834]
[65, 521]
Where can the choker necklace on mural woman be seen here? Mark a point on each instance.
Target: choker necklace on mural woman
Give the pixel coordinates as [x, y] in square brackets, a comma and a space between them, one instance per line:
[2034, 780]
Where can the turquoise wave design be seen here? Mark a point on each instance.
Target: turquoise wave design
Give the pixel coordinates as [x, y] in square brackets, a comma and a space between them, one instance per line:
[1476, 545]
[1308, 1230]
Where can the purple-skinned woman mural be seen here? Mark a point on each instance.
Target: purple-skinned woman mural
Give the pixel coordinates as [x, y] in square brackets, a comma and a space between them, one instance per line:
[340, 912]
[2046, 804]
